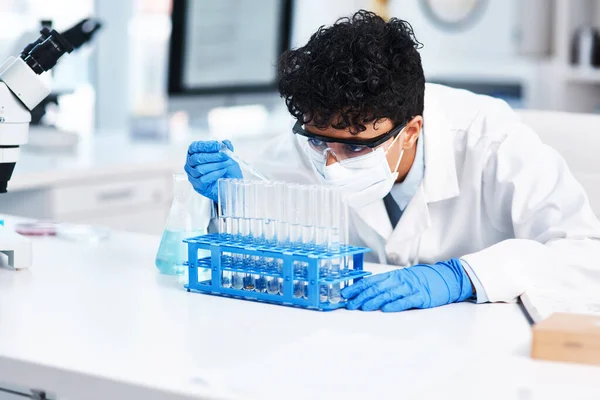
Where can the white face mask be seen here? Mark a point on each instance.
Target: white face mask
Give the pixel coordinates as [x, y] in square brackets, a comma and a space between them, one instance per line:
[363, 179]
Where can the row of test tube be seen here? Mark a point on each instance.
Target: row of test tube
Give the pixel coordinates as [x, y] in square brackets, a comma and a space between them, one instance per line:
[284, 215]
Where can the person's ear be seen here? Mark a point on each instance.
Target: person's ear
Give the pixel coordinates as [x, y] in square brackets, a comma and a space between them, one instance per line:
[412, 131]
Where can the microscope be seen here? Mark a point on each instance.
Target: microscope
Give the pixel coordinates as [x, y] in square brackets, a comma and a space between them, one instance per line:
[21, 90]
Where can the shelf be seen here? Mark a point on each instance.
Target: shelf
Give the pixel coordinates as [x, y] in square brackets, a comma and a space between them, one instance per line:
[583, 75]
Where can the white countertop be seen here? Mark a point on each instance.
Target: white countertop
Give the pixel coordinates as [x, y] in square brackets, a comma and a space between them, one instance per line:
[97, 321]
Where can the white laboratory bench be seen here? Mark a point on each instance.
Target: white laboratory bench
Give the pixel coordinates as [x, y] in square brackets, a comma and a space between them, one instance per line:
[96, 321]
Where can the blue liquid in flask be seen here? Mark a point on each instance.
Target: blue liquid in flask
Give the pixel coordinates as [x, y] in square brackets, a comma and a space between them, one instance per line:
[172, 254]
[188, 217]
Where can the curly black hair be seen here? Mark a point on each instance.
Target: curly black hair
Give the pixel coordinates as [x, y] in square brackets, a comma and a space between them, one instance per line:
[357, 71]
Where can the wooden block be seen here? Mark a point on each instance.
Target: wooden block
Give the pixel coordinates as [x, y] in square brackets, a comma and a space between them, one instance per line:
[567, 337]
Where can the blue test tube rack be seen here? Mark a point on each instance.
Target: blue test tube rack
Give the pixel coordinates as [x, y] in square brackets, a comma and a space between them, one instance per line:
[218, 244]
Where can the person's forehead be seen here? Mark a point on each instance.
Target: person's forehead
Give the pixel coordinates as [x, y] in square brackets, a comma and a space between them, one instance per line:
[372, 130]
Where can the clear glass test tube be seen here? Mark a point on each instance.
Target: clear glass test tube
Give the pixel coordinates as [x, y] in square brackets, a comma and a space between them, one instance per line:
[237, 207]
[224, 200]
[237, 212]
[337, 224]
[294, 206]
[282, 231]
[308, 215]
[246, 194]
[259, 212]
[294, 203]
[323, 217]
[247, 234]
[270, 234]
[224, 206]
[269, 217]
[322, 234]
[345, 232]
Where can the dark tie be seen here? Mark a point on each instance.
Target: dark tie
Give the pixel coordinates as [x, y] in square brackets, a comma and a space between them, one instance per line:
[394, 212]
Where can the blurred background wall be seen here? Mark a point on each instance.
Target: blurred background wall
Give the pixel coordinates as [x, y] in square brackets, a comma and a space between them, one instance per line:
[533, 53]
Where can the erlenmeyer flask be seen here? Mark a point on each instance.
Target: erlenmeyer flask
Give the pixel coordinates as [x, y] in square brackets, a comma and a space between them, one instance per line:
[189, 216]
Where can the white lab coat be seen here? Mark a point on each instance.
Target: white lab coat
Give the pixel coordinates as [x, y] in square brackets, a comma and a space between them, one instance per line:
[493, 195]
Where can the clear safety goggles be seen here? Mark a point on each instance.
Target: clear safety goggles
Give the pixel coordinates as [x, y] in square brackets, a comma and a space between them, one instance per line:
[344, 149]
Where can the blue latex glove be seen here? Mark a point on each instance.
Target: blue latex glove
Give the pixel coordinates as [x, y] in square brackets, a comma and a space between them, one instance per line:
[205, 164]
[419, 286]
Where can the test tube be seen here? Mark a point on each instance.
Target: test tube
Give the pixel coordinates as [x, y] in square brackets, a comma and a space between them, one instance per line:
[337, 225]
[294, 207]
[308, 214]
[237, 211]
[225, 204]
[345, 231]
[269, 216]
[323, 229]
[246, 229]
[246, 198]
[222, 192]
[282, 231]
[323, 216]
[295, 192]
[259, 212]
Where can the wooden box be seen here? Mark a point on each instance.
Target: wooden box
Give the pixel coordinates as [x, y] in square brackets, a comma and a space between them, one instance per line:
[567, 337]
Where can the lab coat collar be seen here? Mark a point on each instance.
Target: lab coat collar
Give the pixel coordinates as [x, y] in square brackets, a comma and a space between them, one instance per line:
[439, 183]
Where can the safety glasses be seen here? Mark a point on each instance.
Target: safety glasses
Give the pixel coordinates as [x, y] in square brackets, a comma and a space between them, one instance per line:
[344, 149]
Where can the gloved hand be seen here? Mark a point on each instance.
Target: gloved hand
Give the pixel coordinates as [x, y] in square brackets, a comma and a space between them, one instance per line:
[206, 164]
[419, 286]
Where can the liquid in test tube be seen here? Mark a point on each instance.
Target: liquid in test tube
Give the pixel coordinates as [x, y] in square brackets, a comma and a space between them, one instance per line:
[274, 283]
[298, 284]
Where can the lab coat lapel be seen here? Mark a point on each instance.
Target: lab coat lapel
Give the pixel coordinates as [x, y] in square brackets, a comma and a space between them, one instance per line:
[374, 222]
[440, 181]
[414, 220]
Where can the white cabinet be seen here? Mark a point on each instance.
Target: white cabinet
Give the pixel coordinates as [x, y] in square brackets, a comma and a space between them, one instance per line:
[129, 202]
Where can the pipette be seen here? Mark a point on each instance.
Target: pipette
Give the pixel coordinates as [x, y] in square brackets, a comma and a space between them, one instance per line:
[242, 163]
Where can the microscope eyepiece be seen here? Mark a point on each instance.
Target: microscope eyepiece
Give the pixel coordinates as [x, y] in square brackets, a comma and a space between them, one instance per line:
[43, 54]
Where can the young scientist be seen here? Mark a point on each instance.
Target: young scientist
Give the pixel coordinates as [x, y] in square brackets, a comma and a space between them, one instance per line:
[442, 180]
